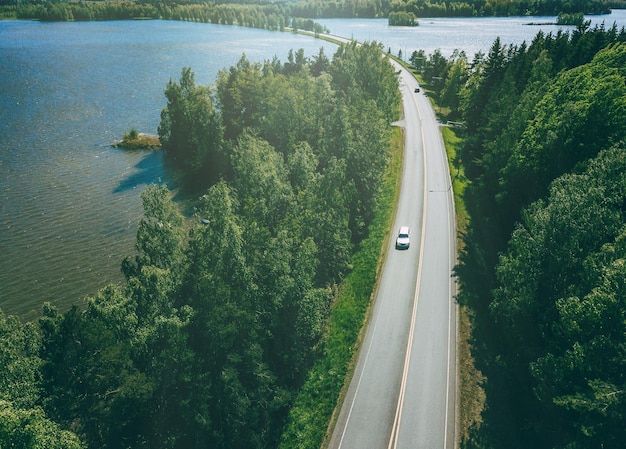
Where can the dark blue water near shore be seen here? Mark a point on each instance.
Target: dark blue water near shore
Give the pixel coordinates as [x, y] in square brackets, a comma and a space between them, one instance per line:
[69, 202]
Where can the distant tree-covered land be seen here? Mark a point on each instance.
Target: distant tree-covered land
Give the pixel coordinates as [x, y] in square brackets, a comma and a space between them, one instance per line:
[277, 15]
[209, 339]
[544, 261]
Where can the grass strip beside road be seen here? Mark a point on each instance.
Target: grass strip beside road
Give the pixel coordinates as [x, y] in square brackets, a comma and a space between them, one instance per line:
[471, 393]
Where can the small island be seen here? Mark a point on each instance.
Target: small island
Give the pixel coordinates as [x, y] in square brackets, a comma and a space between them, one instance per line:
[134, 140]
[402, 18]
[574, 19]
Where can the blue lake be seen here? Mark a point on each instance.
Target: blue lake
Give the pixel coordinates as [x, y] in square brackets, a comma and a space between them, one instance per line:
[69, 202]
[448, 34]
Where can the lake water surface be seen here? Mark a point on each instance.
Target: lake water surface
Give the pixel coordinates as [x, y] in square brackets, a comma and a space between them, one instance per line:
[69, 203]
[448, 34]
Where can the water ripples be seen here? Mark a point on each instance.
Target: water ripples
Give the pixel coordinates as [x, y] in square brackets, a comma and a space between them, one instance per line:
[69, 203]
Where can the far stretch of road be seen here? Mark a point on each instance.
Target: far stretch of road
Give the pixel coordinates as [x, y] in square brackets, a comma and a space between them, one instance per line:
[402, 394]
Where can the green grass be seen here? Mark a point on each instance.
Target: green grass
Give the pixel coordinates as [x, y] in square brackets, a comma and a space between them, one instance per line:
[472, 395]
[459, 182]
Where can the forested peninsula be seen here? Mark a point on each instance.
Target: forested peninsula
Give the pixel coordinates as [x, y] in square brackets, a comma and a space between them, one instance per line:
[211, 337]
[542, 269]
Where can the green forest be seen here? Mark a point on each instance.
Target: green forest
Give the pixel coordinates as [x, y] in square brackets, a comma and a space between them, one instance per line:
[222, 314]
[273, 15]
[543, 260]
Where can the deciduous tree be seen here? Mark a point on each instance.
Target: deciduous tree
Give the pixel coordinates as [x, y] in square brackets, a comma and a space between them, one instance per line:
[190, 129]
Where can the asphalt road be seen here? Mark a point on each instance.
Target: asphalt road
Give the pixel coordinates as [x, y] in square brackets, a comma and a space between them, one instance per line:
[402, 394]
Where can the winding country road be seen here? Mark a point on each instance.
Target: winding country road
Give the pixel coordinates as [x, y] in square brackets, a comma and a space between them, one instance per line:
[403, 391]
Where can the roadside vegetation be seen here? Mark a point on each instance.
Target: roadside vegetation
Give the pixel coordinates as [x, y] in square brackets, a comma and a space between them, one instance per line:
[472, 395]
[542, 255]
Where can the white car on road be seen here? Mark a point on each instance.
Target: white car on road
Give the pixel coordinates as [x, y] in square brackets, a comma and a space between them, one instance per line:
[403, 239]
